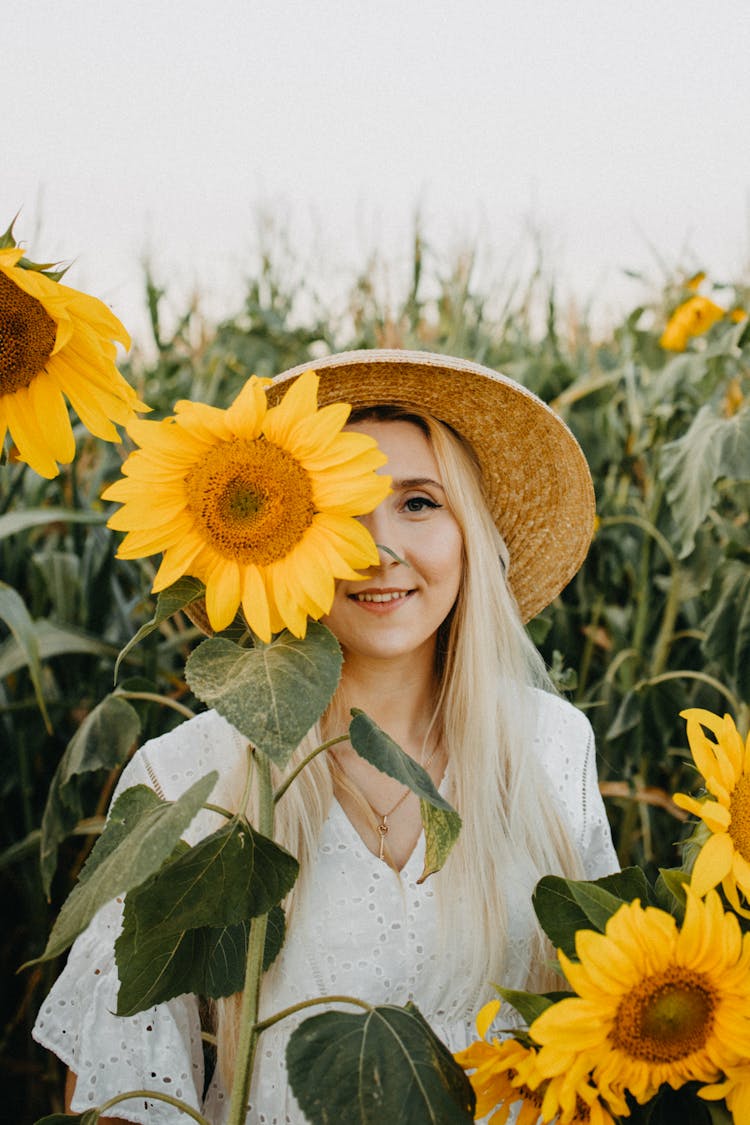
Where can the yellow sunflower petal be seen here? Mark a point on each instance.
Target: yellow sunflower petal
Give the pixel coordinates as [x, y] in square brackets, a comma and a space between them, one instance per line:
[25, 431]
[350, 536]
[741, 873]
[486, 1017]
[208, 423]
[248, 411]
[300, 400]
[177, 561]
[223, 593]
[287, 604]
[47, 402]
[713, 863]
[255, 603]
[315, 434]
[713, 814]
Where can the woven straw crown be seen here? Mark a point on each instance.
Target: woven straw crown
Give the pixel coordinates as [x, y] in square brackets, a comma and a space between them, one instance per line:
[536, 480]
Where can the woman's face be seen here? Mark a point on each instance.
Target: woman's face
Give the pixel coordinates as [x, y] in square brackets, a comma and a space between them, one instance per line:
[397, 609]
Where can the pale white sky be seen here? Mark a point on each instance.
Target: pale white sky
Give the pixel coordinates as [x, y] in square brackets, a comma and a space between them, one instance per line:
[133, 127]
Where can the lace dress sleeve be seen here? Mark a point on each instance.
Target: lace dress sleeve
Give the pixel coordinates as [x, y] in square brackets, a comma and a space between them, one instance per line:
[597, 850]
[565, 744]
[159, 1049]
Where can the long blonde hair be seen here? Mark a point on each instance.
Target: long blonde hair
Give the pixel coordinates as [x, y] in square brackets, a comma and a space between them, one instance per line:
[488, 669]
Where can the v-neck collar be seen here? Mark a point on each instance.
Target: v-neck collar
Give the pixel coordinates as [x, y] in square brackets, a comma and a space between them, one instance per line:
[417, 851]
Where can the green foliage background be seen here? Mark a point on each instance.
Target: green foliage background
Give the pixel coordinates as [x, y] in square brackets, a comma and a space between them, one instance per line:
[657, 620]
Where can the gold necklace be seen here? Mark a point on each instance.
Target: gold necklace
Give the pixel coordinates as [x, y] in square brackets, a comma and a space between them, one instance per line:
[383, 827]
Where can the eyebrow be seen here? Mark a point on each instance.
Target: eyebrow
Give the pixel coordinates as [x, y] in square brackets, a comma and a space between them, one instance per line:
[417, 482]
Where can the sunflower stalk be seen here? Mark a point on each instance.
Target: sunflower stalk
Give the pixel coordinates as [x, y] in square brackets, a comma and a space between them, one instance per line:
[249, 1031]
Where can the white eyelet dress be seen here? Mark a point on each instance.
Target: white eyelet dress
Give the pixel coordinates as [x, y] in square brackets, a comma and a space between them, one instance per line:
[359, 929]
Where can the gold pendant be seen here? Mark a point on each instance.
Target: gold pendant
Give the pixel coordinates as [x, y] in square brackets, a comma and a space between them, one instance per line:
[383, 832]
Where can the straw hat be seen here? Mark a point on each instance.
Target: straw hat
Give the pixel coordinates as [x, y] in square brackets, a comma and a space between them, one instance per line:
[536, 479]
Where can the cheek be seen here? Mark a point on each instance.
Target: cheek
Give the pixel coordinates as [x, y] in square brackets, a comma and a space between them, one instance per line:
[447, 563]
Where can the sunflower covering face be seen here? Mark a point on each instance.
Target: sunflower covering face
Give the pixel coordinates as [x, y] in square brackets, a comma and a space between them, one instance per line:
[56, 343]
[655, 1004]
[257, 503]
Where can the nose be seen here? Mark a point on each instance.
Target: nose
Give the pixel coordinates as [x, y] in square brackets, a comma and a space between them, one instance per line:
[384, 530]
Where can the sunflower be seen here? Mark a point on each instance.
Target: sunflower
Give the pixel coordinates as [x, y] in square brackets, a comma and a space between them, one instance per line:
[694, 317]
[725, 765]
[504, 1073]
[654, 1004]
[56, 343]
[258, 504]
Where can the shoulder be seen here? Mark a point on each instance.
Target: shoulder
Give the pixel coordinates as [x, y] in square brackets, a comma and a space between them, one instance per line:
[174, 761]
[191, 750]
[562, 733]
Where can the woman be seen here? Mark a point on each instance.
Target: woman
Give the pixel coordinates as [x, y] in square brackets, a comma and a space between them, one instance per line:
[490, 515]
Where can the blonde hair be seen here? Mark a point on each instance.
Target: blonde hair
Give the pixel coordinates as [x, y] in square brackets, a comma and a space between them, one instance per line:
[488, 669]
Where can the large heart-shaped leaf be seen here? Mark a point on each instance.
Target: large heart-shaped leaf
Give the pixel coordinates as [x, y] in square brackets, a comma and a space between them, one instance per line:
[272, 693]
[141, 833]
[102, 742]
[441, 822]
[176, 925]
[210, 961]
[383, 1065]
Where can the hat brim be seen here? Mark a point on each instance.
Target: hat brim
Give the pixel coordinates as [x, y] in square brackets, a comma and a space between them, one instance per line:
[536, 480]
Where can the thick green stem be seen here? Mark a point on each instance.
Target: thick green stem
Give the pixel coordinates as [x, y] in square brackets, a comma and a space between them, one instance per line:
[248, 1038]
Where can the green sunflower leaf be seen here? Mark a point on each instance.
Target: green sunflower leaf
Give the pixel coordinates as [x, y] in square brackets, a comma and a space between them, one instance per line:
[713, 447]
[182, 928]
[141, 833]
[441, 829]
[16, 616]
[169, 601]
[11, 523]
[382, 1065]
[441, 822]
[564, 906]
[271, 693]
[529, 1005]
[102, 742]
[51, 641]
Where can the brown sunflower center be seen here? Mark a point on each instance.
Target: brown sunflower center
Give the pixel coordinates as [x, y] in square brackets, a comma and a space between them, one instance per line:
[27, 337]
[666, 1017]
[252, 499]
[739, 811]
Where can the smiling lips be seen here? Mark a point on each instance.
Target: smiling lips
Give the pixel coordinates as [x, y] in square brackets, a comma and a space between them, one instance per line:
[380, 598]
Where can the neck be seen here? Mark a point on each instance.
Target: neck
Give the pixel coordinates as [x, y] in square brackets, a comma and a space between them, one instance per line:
[399, 695]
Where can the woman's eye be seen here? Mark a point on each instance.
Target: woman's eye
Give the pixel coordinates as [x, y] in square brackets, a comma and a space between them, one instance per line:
[419, 503]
